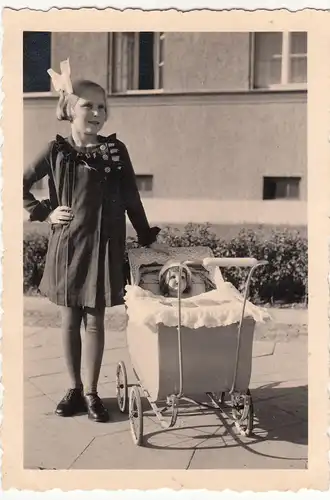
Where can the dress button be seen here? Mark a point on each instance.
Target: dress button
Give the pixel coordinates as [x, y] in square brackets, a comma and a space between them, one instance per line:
[103, 147]
[105, 157]
[107, 170]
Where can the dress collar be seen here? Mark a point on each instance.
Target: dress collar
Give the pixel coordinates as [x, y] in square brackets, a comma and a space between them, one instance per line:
[67, 145]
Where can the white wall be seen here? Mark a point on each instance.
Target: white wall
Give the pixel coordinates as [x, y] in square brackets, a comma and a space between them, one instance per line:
[183, 211]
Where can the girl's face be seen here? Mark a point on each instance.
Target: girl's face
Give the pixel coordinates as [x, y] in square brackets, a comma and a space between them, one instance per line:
[89, 112]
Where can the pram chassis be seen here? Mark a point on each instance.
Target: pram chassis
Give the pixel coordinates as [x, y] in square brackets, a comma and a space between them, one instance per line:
[240, 403]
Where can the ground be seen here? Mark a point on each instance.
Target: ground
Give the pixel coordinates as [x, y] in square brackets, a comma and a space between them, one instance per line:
[202, 439]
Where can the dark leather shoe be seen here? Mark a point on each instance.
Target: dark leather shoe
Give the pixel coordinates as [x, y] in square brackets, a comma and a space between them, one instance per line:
[72, 404]
[96, 409]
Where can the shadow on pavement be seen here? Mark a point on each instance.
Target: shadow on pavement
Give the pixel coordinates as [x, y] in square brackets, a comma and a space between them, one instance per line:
[115, 414]
[280, 416]
[278, 407]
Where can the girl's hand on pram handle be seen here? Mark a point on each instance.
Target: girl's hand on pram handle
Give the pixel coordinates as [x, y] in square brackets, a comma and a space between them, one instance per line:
[160, 247]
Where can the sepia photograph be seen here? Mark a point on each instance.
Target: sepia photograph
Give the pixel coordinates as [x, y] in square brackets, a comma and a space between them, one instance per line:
[165, 266]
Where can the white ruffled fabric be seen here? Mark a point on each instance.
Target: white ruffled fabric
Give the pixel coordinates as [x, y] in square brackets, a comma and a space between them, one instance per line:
[220, 307]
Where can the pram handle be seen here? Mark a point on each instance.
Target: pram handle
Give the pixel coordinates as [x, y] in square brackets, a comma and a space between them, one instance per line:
[227, 262]
[233, 262]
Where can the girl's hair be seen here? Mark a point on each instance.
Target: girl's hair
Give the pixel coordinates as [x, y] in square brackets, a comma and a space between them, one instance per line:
[66, 101]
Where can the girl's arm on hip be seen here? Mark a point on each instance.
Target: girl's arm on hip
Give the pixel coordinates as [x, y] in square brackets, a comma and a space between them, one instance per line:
[135, 210]
[38, 210]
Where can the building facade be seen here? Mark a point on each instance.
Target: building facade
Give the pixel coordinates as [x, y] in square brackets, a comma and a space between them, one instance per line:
[215, 123]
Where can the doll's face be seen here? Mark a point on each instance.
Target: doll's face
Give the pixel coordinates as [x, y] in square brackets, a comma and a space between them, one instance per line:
[89, 111]
[172, 280]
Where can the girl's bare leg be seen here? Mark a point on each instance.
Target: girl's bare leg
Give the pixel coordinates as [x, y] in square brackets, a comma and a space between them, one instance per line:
[94, 342]
[71, 323]
[73, 402]
[94, 345]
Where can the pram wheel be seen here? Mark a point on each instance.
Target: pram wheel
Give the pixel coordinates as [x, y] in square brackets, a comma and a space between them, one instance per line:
[136, 415]
[121, 387]
[243, 412]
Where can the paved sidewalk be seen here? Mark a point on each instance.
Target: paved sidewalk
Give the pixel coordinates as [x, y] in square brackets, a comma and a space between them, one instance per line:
[202, 440]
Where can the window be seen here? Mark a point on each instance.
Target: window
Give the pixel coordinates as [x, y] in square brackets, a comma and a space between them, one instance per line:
[36, 61]
[144, 183]
[281, 188]
[280, 60]
[136, 61]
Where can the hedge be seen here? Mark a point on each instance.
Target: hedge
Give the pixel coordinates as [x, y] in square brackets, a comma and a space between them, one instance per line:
[284, 280]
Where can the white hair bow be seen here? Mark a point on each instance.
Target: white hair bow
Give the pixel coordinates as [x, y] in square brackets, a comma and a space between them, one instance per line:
[62, 82]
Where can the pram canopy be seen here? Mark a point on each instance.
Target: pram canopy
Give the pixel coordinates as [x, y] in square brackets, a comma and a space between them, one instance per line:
[145, 259]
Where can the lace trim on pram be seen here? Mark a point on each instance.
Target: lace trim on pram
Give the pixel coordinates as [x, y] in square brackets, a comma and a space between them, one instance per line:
[220, 307]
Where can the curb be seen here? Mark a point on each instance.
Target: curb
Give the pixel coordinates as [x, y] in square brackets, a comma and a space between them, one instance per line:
[287, 316]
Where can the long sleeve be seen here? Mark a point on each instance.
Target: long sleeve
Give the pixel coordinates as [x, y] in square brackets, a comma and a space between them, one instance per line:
[38, 210]
[135, 210]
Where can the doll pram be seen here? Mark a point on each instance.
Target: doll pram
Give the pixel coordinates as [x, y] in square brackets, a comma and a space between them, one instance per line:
[174, 362]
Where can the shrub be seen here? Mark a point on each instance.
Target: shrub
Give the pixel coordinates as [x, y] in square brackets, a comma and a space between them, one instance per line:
[34, 255]
[284, 279]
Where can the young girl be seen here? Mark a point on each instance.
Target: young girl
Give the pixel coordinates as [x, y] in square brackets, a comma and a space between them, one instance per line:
[91, 185]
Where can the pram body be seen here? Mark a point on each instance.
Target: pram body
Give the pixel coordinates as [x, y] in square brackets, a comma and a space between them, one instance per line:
[208, 359]
[177, 362]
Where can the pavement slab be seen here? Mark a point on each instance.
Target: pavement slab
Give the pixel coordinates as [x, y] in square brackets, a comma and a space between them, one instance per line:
[30, 391]
[202, 438]
[265, 454]
[106, 455]
[49, 443]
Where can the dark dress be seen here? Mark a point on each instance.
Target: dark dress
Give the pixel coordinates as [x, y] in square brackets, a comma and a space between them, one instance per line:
[85, 259]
